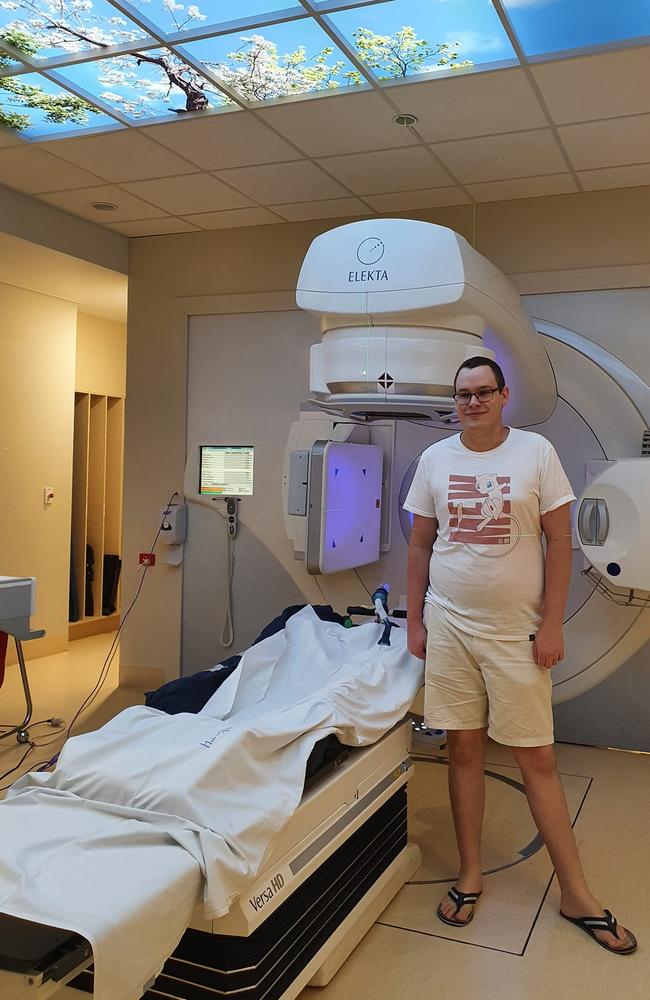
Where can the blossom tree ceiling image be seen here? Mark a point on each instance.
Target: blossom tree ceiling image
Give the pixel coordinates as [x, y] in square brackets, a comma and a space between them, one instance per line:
[79, 66]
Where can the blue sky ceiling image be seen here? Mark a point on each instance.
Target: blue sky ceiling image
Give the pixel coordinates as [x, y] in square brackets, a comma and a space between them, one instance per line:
[76, 66]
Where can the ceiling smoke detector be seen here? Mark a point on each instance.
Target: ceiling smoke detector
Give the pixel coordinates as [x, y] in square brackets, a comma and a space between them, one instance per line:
[407, 121]
[104, 206]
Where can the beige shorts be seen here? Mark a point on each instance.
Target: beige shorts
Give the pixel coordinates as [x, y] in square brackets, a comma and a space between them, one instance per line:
[472, 682]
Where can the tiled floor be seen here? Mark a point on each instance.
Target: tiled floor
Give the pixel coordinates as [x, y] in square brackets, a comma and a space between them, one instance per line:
[512, 852]
[517, 948]
[60, 685]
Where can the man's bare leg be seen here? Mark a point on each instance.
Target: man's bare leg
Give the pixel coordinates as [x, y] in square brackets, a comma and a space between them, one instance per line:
[467, 795]
[549, 808]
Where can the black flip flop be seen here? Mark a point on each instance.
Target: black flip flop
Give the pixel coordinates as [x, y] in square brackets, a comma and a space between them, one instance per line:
[607, 923]
[460, 899]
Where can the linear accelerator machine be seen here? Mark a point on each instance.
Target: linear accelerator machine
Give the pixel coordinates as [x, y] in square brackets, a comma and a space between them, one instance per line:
[401, 304]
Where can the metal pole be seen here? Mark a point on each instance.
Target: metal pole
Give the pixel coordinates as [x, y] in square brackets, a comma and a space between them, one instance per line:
[22, 736]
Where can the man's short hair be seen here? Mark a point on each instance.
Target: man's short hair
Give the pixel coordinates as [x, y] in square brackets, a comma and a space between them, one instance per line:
[478, 362]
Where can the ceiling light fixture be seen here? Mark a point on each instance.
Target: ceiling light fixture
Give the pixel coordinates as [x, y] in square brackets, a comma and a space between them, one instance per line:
[104, 206]
[407, 121]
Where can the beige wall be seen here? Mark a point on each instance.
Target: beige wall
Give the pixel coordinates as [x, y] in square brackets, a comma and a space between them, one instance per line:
[47, 226]
[101, 356]
[37, 375]
[568, 242]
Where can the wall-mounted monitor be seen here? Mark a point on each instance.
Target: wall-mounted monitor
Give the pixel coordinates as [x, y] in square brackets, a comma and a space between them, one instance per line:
[226, 470]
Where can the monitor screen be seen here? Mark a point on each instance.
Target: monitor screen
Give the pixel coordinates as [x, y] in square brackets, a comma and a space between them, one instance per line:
[226, 470]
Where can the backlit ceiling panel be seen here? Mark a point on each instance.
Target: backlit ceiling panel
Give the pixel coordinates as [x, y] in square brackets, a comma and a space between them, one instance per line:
[77, 66]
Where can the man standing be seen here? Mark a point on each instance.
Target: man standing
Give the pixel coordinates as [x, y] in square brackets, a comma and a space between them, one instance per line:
[485, 609]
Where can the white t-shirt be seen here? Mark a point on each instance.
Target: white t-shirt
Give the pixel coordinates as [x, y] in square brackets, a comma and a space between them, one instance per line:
[487, 566]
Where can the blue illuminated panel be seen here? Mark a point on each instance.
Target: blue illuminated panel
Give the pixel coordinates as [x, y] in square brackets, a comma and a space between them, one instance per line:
[548, 26]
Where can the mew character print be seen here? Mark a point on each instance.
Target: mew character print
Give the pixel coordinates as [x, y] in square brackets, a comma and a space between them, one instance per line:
[480, 515]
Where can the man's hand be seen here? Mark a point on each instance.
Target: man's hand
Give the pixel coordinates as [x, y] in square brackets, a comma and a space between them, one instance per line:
[416, 636]
[548, 645]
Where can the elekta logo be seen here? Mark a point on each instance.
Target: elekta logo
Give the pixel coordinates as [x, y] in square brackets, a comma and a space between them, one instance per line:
[369, 252]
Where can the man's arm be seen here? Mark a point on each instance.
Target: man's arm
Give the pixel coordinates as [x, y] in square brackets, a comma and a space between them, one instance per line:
[423, 535]
[549, 643]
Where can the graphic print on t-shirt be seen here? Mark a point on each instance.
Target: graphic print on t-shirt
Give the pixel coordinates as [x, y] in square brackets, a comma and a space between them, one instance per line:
[480, 512]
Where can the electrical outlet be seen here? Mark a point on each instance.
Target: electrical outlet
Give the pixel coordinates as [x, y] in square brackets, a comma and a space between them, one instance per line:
[147, 559]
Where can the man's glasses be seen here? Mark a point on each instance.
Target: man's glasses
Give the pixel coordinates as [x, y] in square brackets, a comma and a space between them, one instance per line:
[483, 396]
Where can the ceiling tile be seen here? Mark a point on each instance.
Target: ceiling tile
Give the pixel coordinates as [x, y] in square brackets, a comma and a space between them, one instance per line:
[405, 201]
[121, 156]
[599, 86]
[327, 126]
[230, 139]
[458, 107]
[389, 170]
[611, 143]
[80, 202]
[280, 182]
[636, 175]
[154, 227]
[499, 157]
[188, 194]
[29, 168]
[234, 218]
[10, 138]
[524, 187]
[335, 208]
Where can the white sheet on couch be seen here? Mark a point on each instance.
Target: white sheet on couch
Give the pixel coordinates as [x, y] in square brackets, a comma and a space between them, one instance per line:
[116, 842]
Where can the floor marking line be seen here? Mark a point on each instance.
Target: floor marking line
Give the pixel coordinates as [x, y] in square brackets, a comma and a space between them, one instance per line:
[441, 937]
[530, 933]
